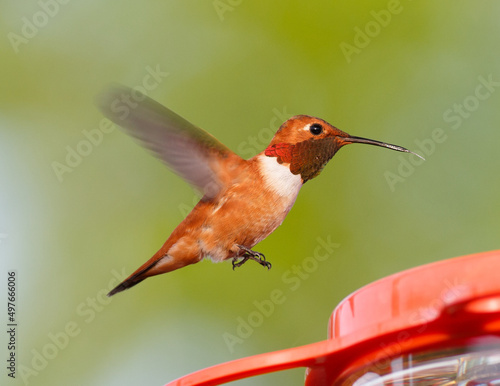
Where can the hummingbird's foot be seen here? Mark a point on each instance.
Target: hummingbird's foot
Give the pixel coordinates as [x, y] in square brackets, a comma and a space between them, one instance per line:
[252, 255]
[237, 263]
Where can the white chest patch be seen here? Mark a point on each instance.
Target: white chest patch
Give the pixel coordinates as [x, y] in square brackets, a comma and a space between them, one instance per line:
[279, 178]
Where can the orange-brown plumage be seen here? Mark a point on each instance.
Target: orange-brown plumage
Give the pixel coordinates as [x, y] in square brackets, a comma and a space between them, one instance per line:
[243, 200]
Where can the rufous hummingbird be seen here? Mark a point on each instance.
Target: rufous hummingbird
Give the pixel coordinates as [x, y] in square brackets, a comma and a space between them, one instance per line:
[243, 201]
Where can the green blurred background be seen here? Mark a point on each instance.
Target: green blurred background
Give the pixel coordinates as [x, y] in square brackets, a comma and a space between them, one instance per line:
[413, 76]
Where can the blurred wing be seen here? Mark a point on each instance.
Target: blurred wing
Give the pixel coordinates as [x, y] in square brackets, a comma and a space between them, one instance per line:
[188, 150]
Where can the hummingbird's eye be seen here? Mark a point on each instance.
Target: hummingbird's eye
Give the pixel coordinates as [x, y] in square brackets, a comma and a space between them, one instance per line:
[316, 129]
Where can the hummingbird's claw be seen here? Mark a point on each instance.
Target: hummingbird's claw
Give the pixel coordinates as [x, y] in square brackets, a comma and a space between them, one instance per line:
[249, 254]
[266, 264]
[237, 263]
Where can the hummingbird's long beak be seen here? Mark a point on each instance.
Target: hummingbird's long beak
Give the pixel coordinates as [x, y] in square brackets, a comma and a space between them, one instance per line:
[378, 143]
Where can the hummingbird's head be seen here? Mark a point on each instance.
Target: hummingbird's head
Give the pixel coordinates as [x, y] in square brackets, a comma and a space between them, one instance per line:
[307, 143]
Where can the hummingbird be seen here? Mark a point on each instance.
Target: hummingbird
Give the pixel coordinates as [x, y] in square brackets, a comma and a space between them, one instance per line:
[243, 201]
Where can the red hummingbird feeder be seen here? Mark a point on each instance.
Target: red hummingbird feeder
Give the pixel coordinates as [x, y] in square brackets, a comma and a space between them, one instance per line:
[437, 324]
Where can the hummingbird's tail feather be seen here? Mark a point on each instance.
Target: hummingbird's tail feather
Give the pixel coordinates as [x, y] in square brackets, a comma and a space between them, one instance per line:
[162, 262]
[135, 278]
[126, 284]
